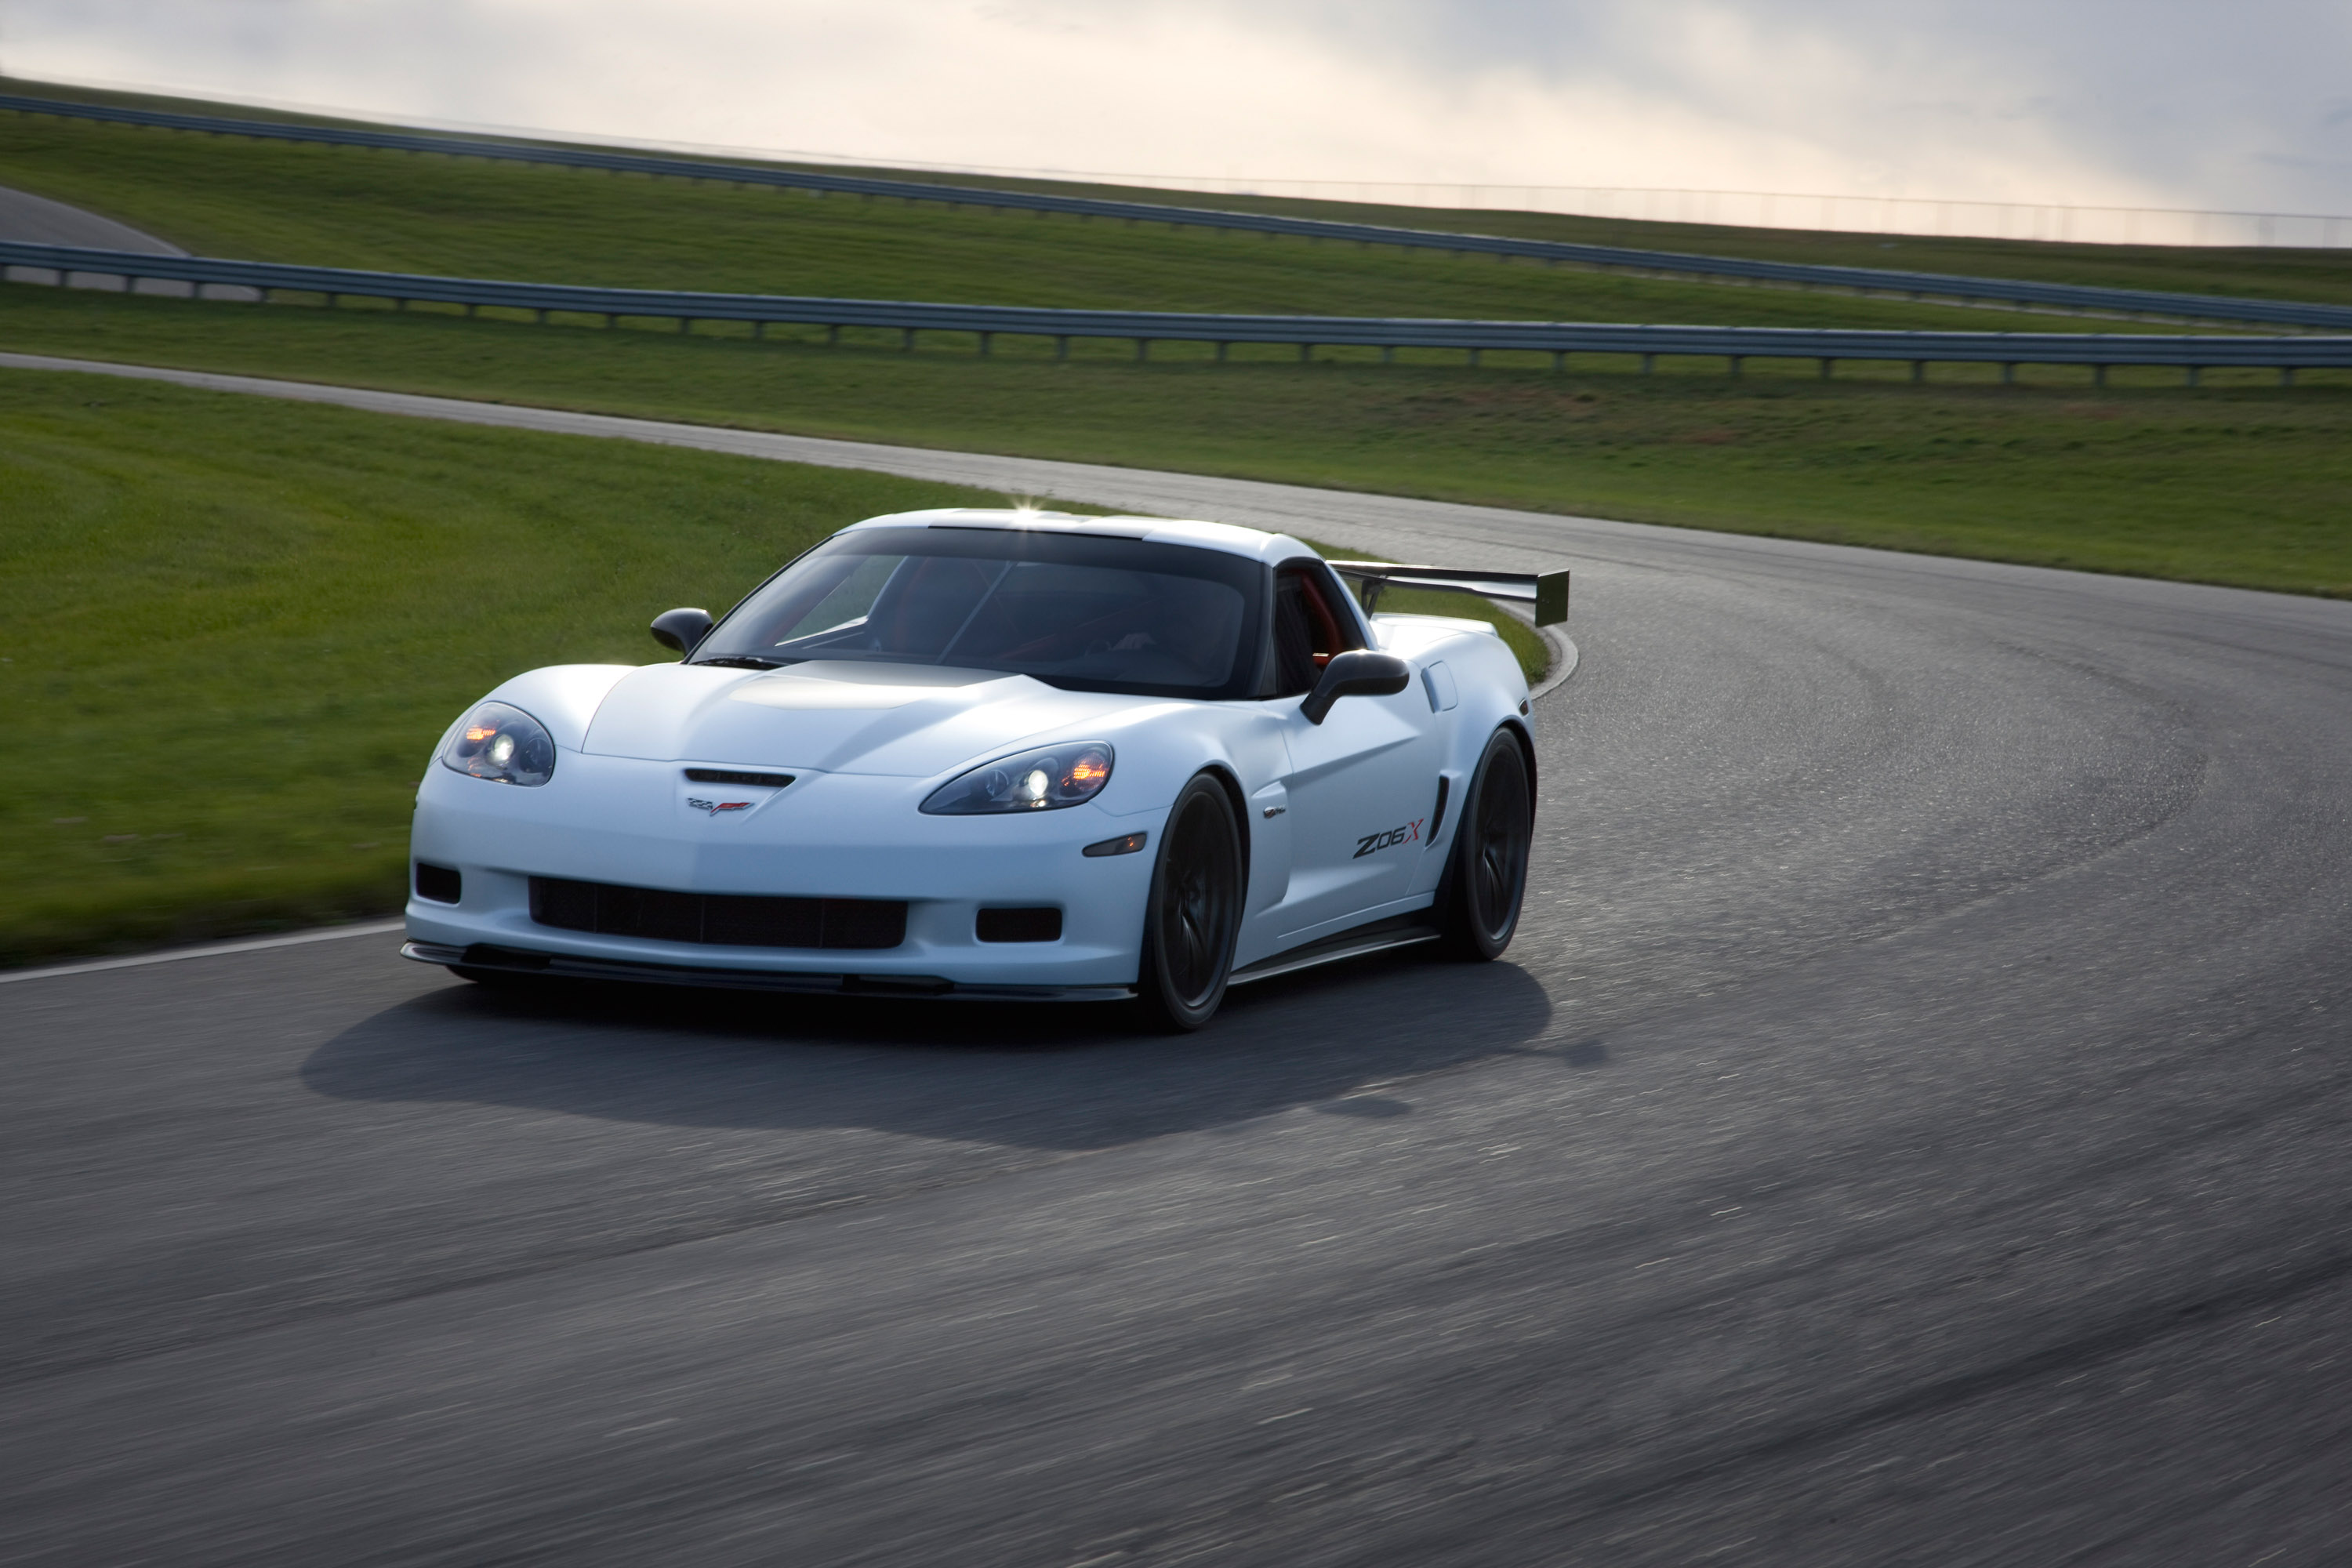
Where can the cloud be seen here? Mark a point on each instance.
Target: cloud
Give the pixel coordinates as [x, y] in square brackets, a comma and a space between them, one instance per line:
[2145, 102]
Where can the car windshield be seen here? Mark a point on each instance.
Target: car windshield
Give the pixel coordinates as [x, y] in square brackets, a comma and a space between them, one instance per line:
[1088, 612]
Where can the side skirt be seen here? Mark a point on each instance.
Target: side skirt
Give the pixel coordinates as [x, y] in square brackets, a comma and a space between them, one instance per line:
[1397, 930]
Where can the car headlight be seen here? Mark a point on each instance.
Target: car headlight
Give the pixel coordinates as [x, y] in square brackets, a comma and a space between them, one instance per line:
[503, 744]
[1043, 779]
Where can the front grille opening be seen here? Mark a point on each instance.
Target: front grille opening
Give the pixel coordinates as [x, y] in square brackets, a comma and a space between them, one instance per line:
[439, 883]
[730, 776]
[1019, 925]
[723, 919]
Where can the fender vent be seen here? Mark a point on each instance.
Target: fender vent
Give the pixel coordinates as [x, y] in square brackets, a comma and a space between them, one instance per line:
[717, 919]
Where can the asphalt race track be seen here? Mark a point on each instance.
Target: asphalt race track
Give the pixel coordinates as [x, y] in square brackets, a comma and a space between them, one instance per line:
[38, 220]
[1911, 1128]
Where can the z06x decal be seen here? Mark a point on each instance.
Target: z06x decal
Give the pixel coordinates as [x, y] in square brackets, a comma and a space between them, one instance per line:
[1371, 842]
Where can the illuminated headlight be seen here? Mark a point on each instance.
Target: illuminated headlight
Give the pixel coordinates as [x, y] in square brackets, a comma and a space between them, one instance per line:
[1042, 780]
[503, 744]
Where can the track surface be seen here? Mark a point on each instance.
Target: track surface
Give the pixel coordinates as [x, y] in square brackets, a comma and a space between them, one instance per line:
[28, 219]
[37, 220]
[1911, 1128]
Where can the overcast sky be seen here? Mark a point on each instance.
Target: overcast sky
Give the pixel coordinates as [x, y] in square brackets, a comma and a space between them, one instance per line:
[2245, 105]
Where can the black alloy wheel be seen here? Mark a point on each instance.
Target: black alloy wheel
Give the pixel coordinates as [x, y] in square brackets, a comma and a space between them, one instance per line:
[1486, 876]
[1196, 908]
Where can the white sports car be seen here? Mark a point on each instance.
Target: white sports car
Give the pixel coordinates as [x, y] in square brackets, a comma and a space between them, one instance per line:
[999, 754]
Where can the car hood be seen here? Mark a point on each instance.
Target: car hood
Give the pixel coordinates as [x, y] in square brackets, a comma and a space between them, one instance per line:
[902, 719]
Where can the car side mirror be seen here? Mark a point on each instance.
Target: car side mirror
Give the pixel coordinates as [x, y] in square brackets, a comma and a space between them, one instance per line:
[682, 629]
[1359, 673]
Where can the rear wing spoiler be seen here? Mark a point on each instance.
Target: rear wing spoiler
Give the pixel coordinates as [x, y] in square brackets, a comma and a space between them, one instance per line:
[1545, 591]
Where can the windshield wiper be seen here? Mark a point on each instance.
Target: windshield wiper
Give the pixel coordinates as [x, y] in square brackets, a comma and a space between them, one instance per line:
[745, 661]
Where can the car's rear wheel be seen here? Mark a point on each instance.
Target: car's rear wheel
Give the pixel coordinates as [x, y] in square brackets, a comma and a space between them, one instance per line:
[1487, 878]
[1195, 907]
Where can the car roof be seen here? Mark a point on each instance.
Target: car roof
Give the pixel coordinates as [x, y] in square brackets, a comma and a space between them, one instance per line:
[1225, 537]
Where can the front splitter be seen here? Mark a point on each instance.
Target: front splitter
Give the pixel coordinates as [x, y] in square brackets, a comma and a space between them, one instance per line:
[565, 967]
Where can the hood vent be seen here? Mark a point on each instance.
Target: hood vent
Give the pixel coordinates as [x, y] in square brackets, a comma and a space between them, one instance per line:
[730, 776]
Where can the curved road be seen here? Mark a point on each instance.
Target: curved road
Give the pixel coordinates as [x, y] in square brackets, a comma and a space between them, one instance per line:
[26, 218]
[1911, 1128]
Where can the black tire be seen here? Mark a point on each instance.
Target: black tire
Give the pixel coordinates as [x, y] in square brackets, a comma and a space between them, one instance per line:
[1487, 873]
[1195, 910]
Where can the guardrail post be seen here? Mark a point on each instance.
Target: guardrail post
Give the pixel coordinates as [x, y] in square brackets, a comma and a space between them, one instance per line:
[1388, 353]
[1062, 348]
[2192, 374]
[759, 331]
[831, 335]
[470, 308]
[1649, 364]
[1826, 363]
[2286, 376]
[984, 338]
[1306, 352]
[608, 320]
[1918, 370]
[906, 340]
[2009, 372]
[2098, 376]
[683, 323]
[1558, 361]
[1222, 347]
[1142, 350]
[1737, 361]
[332, 299]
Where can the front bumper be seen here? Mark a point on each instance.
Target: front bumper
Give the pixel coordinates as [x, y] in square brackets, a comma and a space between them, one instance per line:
[626, 822]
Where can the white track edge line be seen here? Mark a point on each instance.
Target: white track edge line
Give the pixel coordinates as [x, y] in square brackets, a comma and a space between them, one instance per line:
[212, 949]
[1565, 655]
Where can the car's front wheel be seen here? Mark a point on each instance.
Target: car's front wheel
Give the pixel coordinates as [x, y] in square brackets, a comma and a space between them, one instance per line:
[1195, 910]
[1487, 876]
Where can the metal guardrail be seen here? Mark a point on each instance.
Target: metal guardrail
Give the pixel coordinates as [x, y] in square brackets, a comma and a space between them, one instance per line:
[1863, 280]
[1144, 327]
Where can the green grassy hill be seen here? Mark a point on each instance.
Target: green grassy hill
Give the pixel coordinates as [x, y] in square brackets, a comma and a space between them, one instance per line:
[395, 211]
[2255, 272]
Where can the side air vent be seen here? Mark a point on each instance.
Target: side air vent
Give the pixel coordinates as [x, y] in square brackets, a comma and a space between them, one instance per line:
[719, 919]
[1019, 925]
[729, 776]
[441, 884]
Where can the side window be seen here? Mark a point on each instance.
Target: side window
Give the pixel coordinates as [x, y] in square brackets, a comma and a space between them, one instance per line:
[1308, 628]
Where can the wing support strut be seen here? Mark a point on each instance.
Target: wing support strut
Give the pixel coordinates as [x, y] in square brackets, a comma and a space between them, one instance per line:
[1546, 592]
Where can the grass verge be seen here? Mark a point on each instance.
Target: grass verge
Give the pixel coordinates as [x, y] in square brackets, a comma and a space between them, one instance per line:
[235, 628]
[2234, 482]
